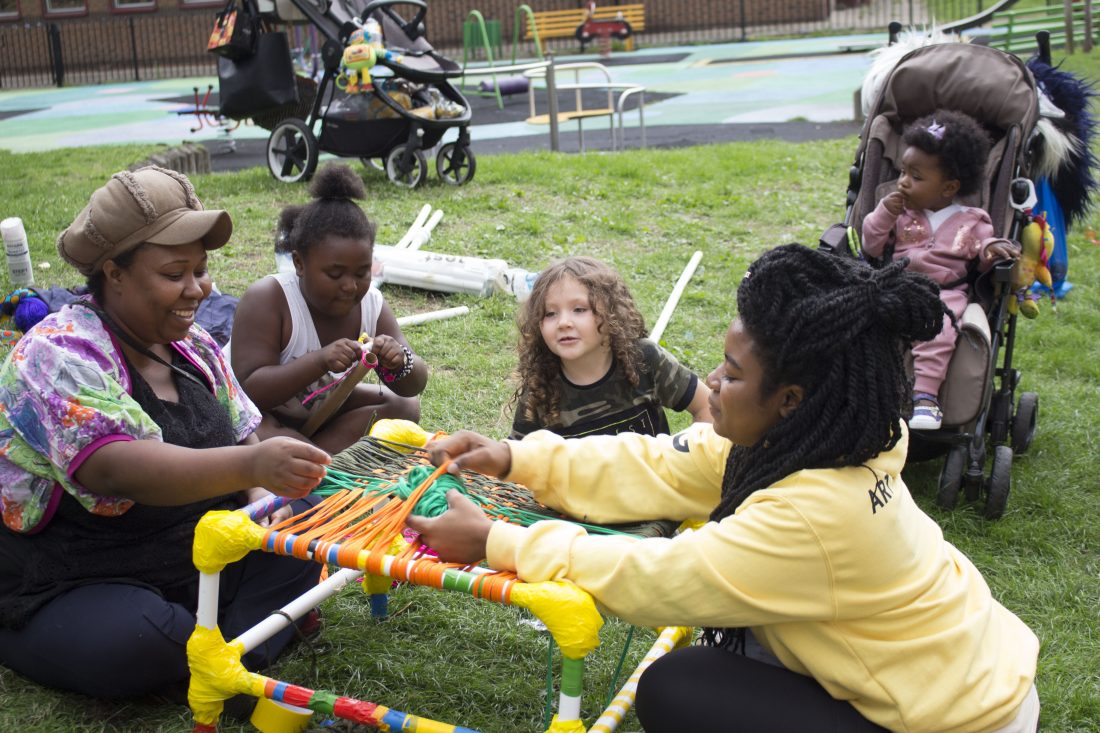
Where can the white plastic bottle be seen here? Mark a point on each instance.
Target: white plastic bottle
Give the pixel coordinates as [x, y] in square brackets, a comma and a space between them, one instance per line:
[373, 32]
[18, 252]
[519, 282]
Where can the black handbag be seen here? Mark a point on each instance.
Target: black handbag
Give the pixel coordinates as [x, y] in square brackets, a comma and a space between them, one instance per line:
[257, 83]
[235, 31]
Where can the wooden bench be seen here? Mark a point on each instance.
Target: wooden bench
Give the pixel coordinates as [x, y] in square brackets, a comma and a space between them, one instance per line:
[1014, 30]
[545, 24]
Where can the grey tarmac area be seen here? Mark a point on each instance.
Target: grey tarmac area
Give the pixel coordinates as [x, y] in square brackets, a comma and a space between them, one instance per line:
[249, 153]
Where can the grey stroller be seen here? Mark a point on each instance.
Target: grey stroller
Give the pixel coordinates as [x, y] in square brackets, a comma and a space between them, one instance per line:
[982, 416]
[380, 127]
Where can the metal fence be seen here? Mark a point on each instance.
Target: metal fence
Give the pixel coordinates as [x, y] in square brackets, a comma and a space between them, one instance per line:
[172, 44]
[109, 49]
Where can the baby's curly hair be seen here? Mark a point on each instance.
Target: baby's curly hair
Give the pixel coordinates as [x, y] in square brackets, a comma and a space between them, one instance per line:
[332, 211]
[621, 323]
[958, 141]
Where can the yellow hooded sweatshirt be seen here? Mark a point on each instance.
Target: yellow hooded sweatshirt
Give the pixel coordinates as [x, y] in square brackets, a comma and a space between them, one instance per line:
[836, 571]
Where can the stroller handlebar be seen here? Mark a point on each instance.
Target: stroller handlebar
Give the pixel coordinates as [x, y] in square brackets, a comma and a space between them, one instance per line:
[412, 28]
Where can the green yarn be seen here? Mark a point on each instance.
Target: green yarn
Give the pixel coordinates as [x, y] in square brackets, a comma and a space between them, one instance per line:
[434, 501]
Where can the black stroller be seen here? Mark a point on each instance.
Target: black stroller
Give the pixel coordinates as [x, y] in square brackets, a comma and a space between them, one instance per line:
[978, 396]
[386, 127]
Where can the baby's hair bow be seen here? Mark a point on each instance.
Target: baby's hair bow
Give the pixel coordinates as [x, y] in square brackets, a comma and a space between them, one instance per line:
[936, 130]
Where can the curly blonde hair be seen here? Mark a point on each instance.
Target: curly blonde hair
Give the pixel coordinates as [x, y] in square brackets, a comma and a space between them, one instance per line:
[538, 371]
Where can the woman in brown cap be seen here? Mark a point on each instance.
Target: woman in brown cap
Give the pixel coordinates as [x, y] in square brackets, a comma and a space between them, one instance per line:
[121, 424]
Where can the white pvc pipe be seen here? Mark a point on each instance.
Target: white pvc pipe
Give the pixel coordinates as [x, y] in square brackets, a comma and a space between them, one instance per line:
[569, 707]
[438, 315]
[674, 297]
[418, 222]
[297, 608]
[668, 640]
[207, 614]
[424, 233]
[436, 271]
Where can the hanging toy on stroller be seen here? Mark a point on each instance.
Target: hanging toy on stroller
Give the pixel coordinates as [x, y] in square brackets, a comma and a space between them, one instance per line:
[385, 98]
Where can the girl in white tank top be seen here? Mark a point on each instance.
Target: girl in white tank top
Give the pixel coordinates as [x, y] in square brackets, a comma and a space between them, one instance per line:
[295, 333]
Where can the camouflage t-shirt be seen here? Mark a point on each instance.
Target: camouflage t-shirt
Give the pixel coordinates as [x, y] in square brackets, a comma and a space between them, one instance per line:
[612, 405]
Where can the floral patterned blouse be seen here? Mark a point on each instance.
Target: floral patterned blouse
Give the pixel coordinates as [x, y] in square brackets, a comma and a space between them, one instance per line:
[65, 391]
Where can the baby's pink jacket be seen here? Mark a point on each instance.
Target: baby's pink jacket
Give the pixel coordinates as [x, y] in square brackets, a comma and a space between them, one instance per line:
[943, 256]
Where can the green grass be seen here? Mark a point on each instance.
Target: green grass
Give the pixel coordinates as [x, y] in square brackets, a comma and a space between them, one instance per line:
[452, 658]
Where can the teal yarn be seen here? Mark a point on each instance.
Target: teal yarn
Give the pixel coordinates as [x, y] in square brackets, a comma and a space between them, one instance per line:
[434, 501]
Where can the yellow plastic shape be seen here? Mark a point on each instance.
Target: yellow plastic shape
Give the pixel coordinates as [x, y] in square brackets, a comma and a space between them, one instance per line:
[568, 612]
[222, 537]
[565, 726]
[216, 674]
[271, 716]
[376, 584]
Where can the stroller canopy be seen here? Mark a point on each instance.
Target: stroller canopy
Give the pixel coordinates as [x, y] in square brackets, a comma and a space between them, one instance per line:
[991, 86]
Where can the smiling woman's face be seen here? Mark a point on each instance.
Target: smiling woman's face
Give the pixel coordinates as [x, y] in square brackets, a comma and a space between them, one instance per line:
[157, 295]
[741, 413]
[335, 274]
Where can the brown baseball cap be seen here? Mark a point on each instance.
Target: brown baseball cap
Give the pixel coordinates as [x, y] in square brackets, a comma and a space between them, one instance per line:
[150, 204]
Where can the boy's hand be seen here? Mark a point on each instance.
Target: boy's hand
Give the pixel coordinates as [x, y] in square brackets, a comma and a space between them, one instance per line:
[340, 355]
[894, 203]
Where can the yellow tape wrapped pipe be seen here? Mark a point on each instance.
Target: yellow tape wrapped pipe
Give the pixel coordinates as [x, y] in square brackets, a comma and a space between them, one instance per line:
[216, 674]
[222, 537]
[568, 612]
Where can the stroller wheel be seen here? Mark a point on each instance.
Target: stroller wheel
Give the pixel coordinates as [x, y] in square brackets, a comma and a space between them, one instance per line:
[999, 483]
[376, 164]
[413, 173]
[951, 477]
[292, 151]
[455, 164]
[1024, 421]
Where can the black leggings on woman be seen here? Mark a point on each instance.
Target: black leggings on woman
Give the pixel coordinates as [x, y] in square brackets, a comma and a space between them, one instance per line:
[710, 689]
[117, 640]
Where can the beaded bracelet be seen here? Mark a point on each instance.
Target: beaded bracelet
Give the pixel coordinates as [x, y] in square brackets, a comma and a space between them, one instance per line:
[389, 376]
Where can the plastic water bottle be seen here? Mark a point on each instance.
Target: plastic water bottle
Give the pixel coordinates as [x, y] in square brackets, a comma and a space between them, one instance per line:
[18, 252]
[373, 32]
[284, 262]
[519, 282]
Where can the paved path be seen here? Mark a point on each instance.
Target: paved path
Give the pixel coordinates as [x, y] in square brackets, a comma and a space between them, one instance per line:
[793, 89]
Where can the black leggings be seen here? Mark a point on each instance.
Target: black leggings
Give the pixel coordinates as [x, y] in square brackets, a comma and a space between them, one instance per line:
[707, 689]
[116, 640]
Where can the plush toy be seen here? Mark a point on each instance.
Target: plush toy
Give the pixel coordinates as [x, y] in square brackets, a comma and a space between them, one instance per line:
[1036, 242]
[358, 60]
[26, 308]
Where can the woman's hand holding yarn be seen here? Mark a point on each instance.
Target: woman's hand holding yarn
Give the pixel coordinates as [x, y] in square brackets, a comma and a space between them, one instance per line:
[287, 467]
[473, 451]
[460, 534]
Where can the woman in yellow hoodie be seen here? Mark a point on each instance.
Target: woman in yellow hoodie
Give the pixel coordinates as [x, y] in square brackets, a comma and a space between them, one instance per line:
[815, 545]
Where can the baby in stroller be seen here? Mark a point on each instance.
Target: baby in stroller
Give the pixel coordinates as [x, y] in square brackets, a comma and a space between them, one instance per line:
[983, 424]
[923, 220]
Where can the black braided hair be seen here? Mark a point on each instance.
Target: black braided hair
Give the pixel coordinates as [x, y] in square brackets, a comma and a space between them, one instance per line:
[839, 329]
[332, 211]
[960, 145]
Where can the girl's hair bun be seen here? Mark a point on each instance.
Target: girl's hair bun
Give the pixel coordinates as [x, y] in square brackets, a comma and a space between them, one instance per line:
[337, 181]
